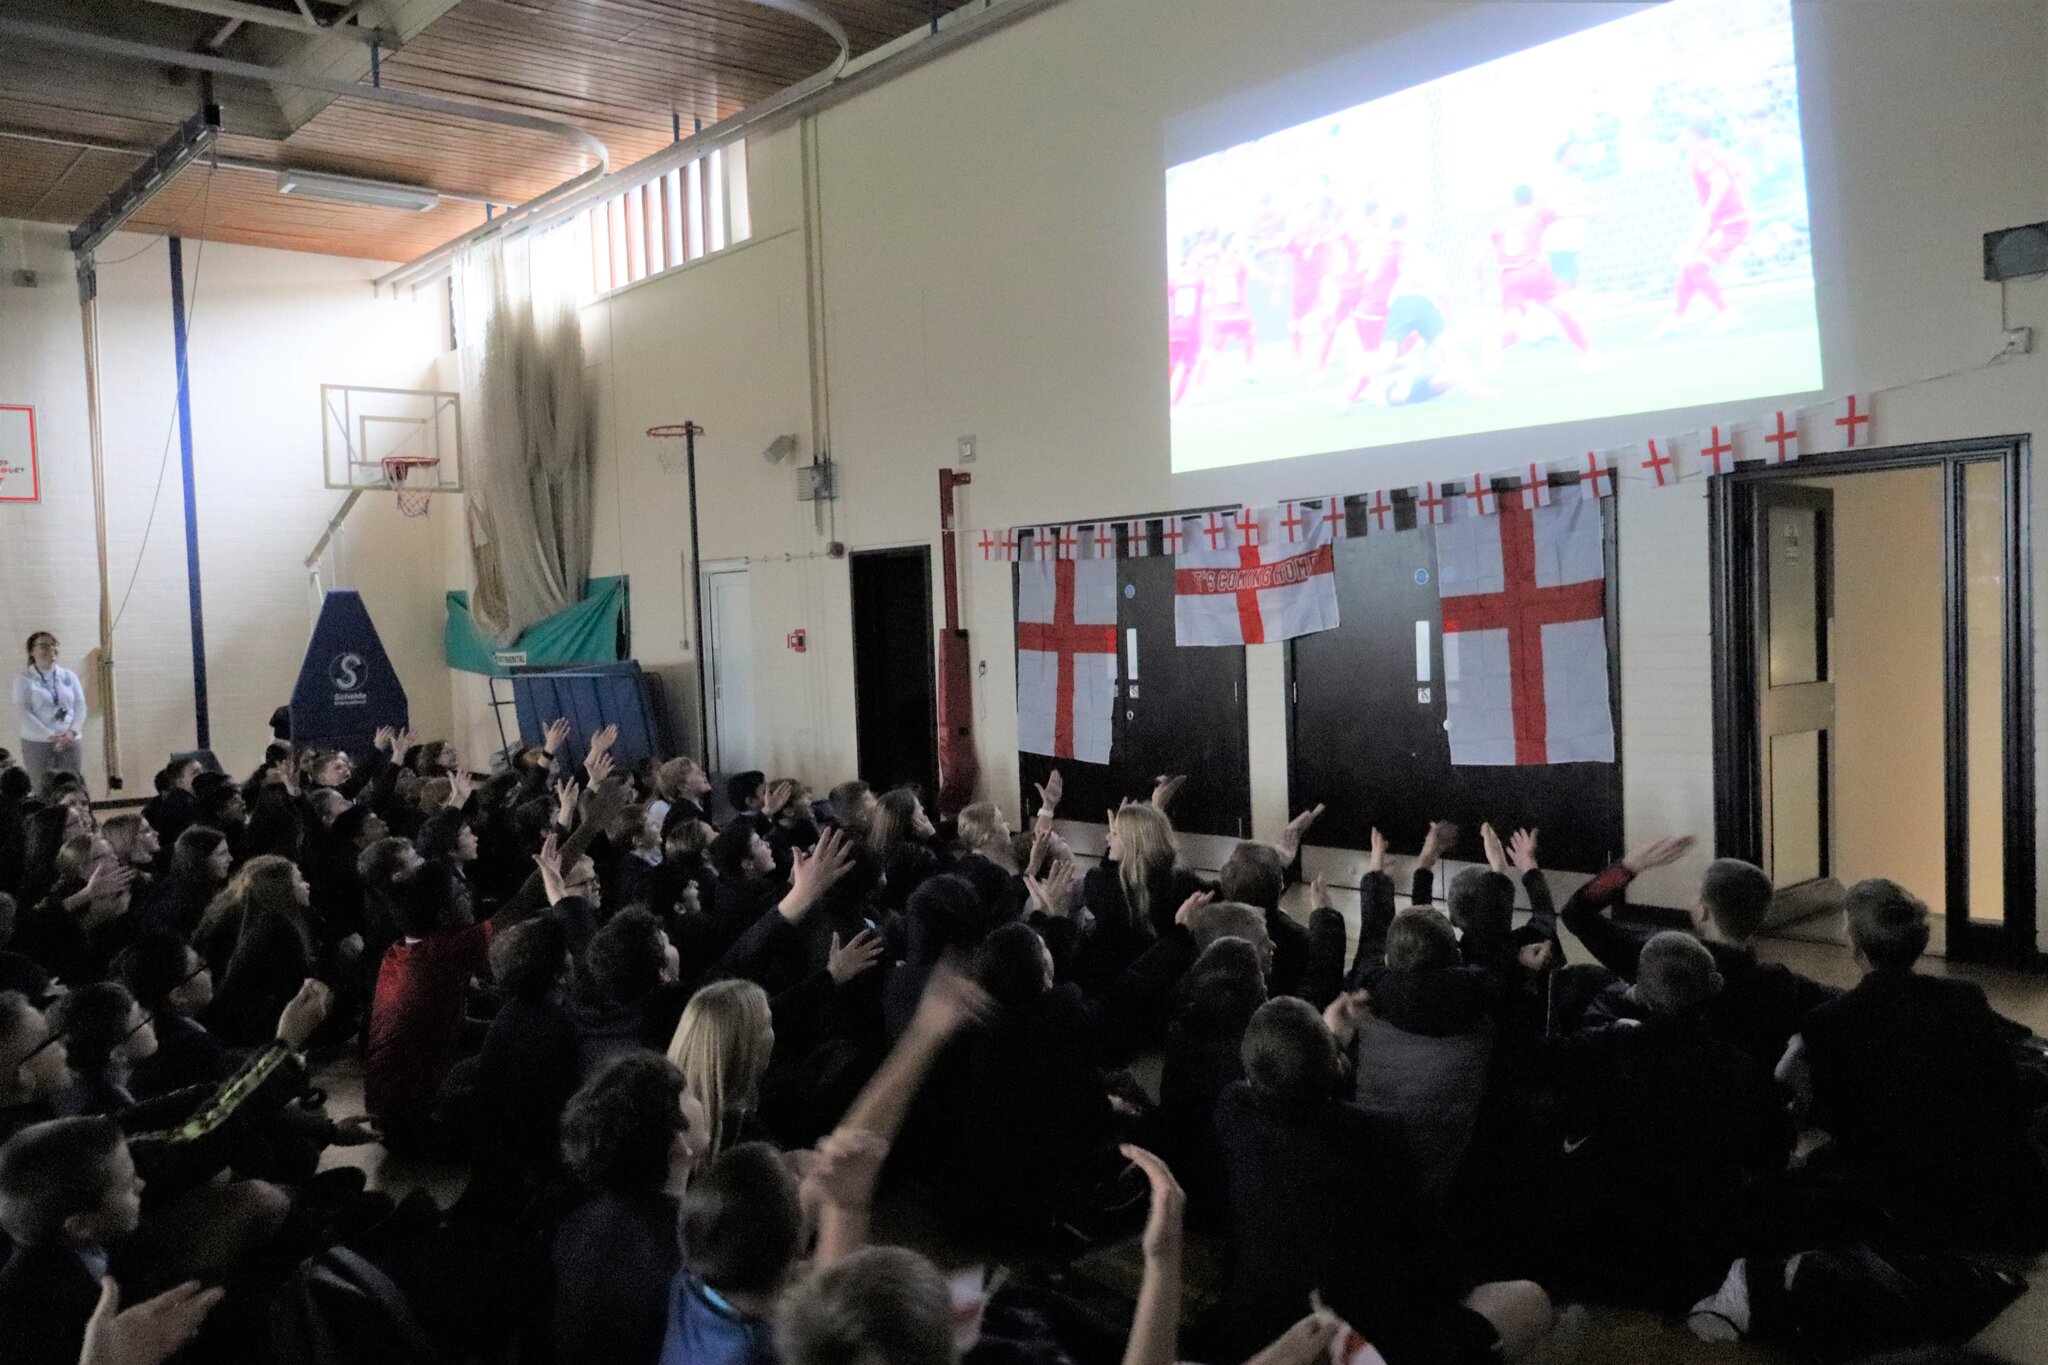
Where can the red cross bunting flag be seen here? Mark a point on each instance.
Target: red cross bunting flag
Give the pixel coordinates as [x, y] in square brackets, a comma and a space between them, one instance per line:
[1596, 475]
[1066, 657]
[1523, 596]
[1843, 424]
[1717, 451]
[1256, 592]
[1658, 459]
[1774, 439]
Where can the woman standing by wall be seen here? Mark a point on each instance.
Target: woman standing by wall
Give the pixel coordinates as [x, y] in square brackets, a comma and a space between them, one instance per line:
[51, 703]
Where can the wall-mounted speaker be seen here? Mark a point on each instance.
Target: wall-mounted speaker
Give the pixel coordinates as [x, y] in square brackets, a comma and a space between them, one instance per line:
[2017, 253]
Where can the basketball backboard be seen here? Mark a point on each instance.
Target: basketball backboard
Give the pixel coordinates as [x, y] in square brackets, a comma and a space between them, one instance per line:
[365, 431]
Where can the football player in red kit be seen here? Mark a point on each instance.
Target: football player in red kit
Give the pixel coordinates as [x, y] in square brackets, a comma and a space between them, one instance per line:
[1526, 277]
[1227, 301]
[1309, 250]
[1368, 263]
[1723, 225]
[1184, 292]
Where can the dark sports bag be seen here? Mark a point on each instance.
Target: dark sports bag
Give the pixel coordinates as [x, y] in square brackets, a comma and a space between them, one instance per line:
[338, 1309]
[1854, 1300]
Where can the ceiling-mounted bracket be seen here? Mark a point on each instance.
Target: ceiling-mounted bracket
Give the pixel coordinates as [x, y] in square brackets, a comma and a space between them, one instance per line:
[193, 139]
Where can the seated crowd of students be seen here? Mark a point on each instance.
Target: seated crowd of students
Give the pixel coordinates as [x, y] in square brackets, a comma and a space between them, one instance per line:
[677, 1058]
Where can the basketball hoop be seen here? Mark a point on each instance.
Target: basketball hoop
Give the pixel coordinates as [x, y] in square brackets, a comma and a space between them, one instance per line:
[671, 458]
[412, 502]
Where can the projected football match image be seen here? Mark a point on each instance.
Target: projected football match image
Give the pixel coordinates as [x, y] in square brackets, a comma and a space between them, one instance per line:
[1612, 222]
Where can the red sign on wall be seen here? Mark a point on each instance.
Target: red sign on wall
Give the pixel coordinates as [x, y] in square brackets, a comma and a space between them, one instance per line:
[20, 480]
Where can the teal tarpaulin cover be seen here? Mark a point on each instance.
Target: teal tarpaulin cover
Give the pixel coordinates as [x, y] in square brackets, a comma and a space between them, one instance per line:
[587, 633]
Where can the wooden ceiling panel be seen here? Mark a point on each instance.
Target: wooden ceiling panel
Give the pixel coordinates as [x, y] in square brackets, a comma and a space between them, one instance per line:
[246, 208]
[621, 70]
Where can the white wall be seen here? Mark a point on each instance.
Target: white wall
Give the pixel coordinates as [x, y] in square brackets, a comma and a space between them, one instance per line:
[267, 328]
[990, 230]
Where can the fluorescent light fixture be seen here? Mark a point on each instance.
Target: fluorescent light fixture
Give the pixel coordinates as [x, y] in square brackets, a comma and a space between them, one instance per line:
[349, 189]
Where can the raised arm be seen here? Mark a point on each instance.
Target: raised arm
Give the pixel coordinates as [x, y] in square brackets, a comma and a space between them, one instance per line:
[1542, 907]
[1615, 946]
[852, 1156]
[1442, 836]
[1289, 842]
[604, 805]
[1375, 911]
[1155, 1327]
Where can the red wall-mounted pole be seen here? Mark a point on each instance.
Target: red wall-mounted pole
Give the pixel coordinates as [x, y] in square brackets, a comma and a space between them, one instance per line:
[958, 769]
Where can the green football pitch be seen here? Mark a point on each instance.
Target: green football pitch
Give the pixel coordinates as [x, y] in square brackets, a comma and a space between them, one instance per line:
[1238, 420]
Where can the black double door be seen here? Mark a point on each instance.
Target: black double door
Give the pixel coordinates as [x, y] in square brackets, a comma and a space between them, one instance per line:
[1366, 734]
[896, 726]
[1178, 710]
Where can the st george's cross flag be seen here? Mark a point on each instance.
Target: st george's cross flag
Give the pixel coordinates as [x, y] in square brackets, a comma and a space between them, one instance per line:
[1252, 593]
[1523, 597]
[1066, 657]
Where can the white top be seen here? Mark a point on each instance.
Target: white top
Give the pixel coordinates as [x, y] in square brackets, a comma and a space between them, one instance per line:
[51, 703]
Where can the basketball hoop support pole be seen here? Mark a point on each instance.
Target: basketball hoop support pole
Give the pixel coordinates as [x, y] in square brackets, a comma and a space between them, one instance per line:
[690, 433]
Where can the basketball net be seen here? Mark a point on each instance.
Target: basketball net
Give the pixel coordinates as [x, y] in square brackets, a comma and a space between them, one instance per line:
[412, 502]
[668, 453]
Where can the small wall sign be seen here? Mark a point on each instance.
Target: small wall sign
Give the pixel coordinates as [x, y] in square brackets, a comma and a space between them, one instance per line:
[20, 478]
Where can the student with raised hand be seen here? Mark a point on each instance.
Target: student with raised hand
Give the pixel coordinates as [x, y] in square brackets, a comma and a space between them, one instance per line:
[1913, 1078]
[1421, 984]
[1134, 894]
[416, 1009]
[1761, 1005]
[776, 949]
[890, 1304]
[1421, 1035]
[989, 861]
[744, 1219]
[1308, 960]
[1134, 1010]
[83, 921]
